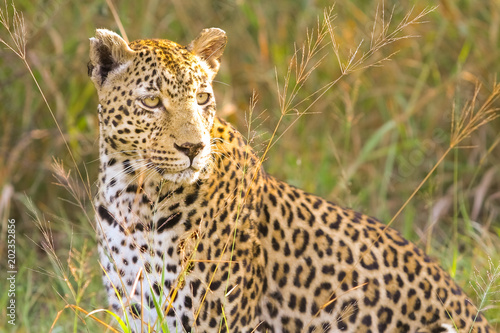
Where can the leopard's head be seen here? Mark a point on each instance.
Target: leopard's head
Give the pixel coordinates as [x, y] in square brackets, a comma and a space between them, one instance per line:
[157, 105]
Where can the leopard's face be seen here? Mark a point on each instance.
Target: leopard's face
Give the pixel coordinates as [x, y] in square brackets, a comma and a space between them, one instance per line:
[157, 107]
[162, 114]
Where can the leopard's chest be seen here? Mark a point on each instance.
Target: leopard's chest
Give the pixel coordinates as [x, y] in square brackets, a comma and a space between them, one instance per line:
[146, 250]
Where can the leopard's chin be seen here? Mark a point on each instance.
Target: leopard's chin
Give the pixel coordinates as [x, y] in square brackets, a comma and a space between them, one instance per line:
[186, 176]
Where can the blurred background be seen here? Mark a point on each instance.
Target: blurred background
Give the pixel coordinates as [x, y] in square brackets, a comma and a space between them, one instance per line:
[367, 143]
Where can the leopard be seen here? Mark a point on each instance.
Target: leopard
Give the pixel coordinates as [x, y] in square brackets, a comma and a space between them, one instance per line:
[194, 236]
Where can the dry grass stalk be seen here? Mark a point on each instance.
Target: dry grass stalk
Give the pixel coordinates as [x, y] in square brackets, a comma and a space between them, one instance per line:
[88, 314]
[487, 290]
[17, 33]
[470, 119]
[116, 17]
[378, 41]
[353, 63]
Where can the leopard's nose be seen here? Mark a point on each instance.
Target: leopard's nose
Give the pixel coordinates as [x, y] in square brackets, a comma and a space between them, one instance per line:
[190, 149]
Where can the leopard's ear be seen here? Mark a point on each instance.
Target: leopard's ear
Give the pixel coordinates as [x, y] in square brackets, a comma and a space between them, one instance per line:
[209, 46]
[107, 52]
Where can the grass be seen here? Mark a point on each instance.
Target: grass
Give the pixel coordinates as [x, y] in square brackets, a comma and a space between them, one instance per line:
[368, 143]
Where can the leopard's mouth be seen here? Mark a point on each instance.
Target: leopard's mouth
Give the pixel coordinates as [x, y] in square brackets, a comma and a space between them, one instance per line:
[163, 171]
[187, 175]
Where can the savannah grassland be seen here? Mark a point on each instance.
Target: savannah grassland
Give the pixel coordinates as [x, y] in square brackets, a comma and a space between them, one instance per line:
[400, 133]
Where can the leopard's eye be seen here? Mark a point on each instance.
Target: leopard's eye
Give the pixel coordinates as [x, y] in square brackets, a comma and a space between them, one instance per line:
[151, 101]
[202, 98]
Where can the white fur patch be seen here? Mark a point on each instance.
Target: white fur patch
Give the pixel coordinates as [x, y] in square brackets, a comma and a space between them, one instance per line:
[449, 328]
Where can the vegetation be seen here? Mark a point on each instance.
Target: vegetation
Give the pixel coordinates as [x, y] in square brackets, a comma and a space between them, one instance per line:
[418, 131]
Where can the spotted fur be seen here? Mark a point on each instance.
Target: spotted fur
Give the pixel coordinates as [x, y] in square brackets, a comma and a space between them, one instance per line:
[189, 222]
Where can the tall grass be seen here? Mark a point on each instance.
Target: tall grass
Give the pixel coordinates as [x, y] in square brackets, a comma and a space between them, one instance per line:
[375, 139]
